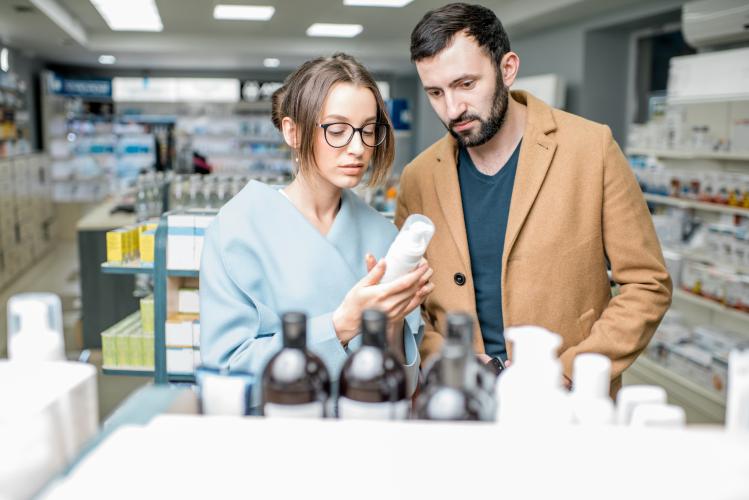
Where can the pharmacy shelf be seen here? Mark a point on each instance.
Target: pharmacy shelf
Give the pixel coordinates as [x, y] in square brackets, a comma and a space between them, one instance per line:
[134, 372]
[702, 257]
[698, 205]
[681, 390]
[126, 372]
[689, 155]
[183, 273]
[710, 304]
[127, 268]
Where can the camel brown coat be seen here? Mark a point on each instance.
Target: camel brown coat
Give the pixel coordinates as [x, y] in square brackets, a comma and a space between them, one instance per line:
[575, 205]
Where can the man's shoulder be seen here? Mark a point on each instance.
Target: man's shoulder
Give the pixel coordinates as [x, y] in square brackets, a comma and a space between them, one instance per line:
[428, 159]
[582, 128]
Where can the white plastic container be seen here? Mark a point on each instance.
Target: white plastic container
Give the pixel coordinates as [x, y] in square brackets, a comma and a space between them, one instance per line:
[658, 415]
[737, 404]
[591, 404]
[409, 247]
[529, 392]
[631, 396]
[35, 328]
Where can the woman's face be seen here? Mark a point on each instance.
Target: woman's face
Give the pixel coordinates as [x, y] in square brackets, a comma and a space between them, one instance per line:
[344, 167]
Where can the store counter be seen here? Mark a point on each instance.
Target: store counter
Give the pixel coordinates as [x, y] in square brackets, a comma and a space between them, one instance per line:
[191, 456]
[105, 298]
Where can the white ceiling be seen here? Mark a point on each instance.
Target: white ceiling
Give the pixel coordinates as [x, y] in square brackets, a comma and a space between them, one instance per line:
[192, 39]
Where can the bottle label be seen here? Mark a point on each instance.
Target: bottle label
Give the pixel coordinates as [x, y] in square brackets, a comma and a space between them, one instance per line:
[349, 408]
[315, 409]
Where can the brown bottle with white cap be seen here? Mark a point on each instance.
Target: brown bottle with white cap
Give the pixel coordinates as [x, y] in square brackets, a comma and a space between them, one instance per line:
[295, 382]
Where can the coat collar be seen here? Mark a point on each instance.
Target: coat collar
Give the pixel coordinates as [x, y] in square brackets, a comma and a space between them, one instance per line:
[535, 158]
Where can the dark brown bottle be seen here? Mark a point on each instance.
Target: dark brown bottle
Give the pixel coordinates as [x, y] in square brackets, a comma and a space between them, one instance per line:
[448, 398]
[295, 381]
[480, 379]
[373, 382]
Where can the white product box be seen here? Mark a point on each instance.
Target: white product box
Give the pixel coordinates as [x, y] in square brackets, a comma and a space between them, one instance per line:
[178, 331]
[179, 360]
[201, 224]
[180, 246]
[196, 333]
[188, 301]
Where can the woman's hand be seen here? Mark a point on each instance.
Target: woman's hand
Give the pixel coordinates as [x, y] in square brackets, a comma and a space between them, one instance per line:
[396, 299]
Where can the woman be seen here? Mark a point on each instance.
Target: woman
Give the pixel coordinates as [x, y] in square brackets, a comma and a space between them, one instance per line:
[311, 245]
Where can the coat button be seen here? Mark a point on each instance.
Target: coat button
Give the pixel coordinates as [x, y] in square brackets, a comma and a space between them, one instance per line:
[460, 279]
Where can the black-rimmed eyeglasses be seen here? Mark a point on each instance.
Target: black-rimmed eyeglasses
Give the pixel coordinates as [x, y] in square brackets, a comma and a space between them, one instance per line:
[339, 134]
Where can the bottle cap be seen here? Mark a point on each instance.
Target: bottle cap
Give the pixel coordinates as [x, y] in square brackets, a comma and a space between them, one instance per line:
[460, 328]
[373, 327]
[294, 329]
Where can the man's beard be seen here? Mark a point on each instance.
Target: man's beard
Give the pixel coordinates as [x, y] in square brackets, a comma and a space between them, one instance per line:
[489, 127]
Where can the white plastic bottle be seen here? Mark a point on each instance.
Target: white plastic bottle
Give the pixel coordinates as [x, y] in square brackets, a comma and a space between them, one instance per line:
[34, 329]
[409, 247]
[591, 404]
[631, 396]
[737, 404]
[658, 415]
[530, 392]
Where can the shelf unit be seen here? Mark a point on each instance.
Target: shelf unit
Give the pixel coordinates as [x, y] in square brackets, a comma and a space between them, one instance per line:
[161, 276]
[697, 205]
[711, 304]
[700, 403]
[689, 155]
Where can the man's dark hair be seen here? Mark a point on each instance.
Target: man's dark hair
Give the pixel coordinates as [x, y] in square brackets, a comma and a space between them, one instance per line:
[437, 28]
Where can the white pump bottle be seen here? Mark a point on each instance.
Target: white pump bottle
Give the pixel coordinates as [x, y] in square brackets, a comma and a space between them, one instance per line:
[409, 247]
[530, 392]
[34, 332]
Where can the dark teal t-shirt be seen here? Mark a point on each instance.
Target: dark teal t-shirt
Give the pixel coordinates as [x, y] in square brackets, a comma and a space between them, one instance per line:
[486, 206]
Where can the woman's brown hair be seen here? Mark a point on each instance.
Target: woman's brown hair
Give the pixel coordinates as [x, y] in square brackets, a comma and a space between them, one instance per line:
[303, 94]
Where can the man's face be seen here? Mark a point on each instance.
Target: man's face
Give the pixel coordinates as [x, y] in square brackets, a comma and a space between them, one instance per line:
[465, 91]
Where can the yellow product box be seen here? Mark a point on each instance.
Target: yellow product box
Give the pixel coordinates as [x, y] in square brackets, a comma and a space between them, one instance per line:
[108, 349]
[147, 242]
[148, 350]
[117, 245]
[122, 345]
[131, 249]
[147, 320]
[136, 354]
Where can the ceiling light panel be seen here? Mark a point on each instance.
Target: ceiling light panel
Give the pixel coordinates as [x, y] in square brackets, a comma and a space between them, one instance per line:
[335, 30]
[271, 62]
[130, 15]
[377, 3]
[107, 59]
[243, 12]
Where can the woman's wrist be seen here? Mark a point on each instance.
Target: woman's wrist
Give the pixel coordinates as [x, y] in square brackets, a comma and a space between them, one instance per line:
[344, 328]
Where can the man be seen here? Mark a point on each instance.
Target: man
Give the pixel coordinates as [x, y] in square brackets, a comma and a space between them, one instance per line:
[530, 204]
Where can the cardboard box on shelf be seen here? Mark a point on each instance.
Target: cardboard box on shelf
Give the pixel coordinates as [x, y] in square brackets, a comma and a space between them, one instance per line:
[180, 360]
[178, 330]
[180, 248]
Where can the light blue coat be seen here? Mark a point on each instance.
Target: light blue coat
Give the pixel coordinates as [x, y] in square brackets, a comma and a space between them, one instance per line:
[261, 257]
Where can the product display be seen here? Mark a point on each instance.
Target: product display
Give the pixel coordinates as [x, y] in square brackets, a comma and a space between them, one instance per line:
[480, 379]
[448, 399]
[224, 393]
[28, 222]
[700, 354]
[35, 328]
[295, 382]
[372, 382]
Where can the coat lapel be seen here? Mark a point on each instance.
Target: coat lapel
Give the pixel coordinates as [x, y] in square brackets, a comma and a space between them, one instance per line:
[447, 185]
[536, 154]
